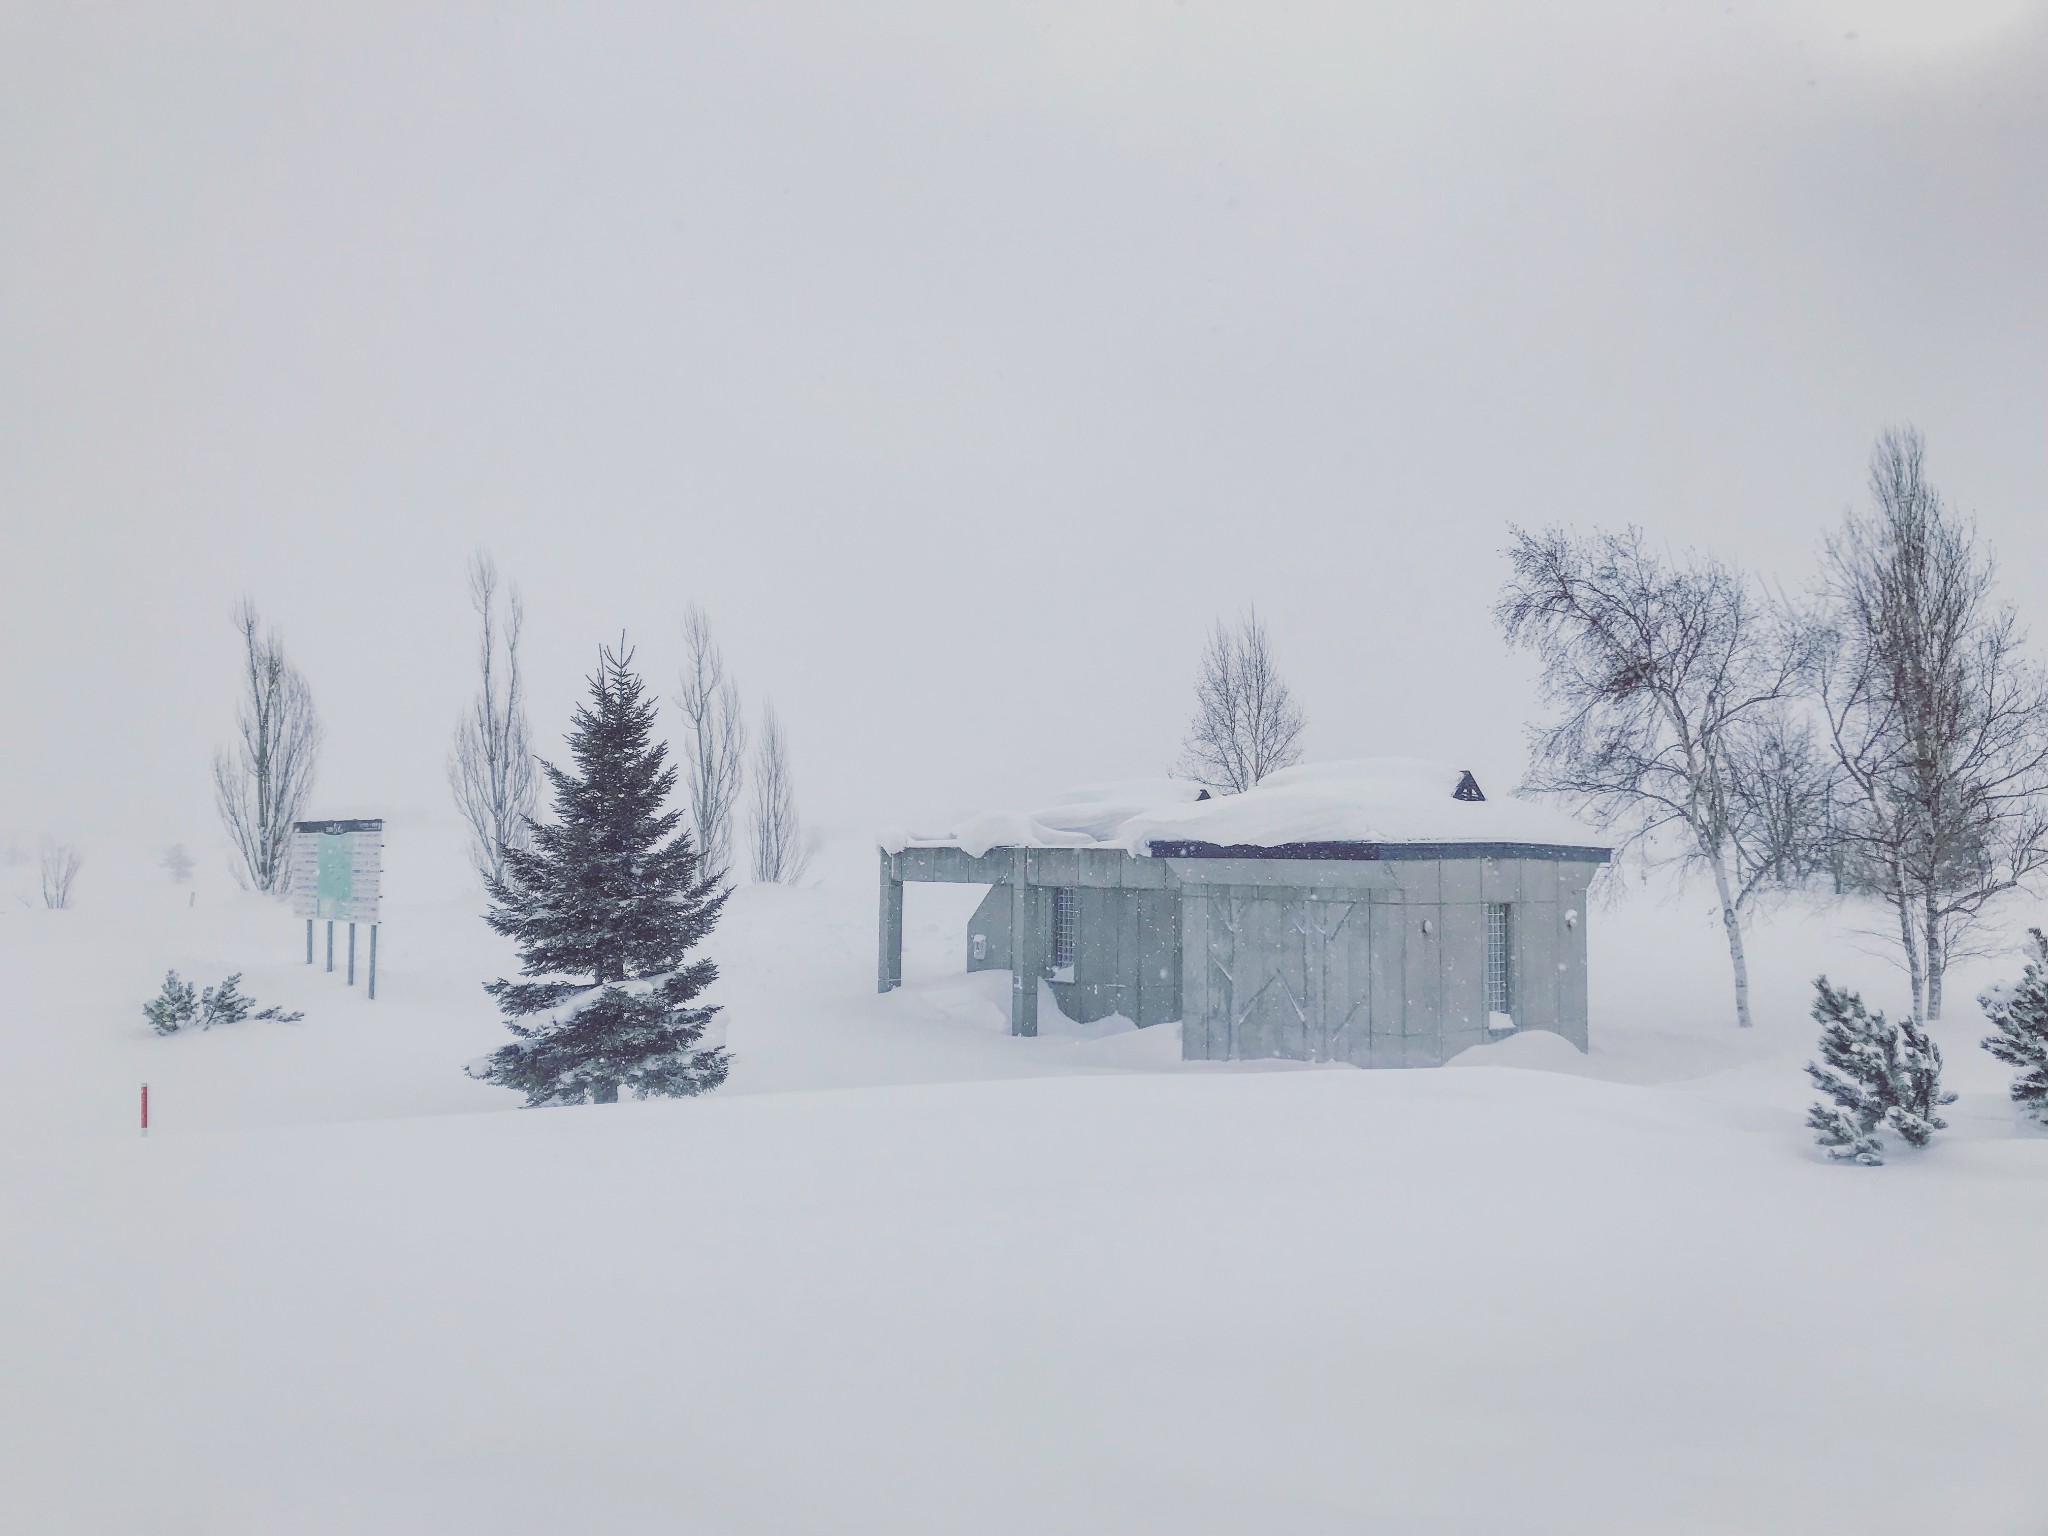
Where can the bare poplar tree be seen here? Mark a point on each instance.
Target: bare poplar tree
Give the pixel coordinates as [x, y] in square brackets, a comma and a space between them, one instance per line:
[1677, 724]
[491, 767]
[779, 850]
[1246, 723]
[1938, 721]
[262, 783]
[60, 865]
[710, 702]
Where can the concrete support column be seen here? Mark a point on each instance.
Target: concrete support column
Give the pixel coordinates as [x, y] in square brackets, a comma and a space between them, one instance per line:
[889, 959]
[1027, 948]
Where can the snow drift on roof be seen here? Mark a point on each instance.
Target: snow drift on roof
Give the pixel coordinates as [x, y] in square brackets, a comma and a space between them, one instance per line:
[1090, 817]
[1366, 800]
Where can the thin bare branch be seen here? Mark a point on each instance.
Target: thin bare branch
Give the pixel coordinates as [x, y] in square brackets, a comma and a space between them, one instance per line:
[710, 703]
[1675, 686]
[780, 852]
[262, 782]
[1937, 719]
[60, 863]
[491, 766]
[1247, 725]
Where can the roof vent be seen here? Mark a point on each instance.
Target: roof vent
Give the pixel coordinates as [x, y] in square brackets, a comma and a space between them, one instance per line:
[1468, 788]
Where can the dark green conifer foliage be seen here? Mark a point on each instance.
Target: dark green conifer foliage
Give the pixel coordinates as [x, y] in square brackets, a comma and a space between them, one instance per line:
[177, 1006]
[605, 907]
[2019, 1014]
[1877, 1075]
[174, 1007]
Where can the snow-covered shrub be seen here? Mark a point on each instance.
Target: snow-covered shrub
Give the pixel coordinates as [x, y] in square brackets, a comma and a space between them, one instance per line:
[175, 1007]
[1878, 1075]
[2019, 1014]
[225, 1004]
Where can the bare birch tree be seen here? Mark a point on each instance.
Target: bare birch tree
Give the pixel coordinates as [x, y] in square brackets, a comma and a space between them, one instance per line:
[1938, 721]
[710, 702]
[1677, 723]
[491, 767]
[780, 853]
[261, 784]
[60, 863]
[1246, 723]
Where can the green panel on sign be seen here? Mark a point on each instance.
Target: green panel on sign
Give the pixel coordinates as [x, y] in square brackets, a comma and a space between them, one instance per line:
[337, 874]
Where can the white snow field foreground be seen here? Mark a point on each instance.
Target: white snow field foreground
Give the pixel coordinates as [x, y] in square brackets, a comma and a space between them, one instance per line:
[907, 1275]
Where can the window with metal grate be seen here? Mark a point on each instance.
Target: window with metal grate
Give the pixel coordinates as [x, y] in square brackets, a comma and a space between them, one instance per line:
[1065, 918]
[1500, 992]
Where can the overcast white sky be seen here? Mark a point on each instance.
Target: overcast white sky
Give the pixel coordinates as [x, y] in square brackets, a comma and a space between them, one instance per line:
[964, 360]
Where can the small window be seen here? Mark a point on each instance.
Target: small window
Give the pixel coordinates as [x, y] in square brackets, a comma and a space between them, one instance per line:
[1065, 915]
[1500, 933]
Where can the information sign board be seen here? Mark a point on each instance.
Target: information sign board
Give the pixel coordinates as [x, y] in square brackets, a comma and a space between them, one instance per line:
[337, 870]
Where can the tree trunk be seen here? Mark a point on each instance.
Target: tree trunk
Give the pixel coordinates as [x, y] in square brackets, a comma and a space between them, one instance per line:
[1904, 903]
[1731, 924]
[1937, 962]
[605, 1093]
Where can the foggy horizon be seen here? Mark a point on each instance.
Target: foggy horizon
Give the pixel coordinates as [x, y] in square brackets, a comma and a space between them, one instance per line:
[965, 367]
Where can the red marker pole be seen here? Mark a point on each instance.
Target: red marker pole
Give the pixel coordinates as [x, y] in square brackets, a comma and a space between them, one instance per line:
[145, 1109]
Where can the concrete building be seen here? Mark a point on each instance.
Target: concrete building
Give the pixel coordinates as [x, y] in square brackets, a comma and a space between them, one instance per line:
[1383, 912]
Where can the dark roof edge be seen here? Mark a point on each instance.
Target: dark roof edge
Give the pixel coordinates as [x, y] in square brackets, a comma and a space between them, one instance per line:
[1169, 848]
[356, 825]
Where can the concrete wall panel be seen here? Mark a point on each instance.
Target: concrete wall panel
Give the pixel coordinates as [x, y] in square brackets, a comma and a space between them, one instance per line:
[991, 921]
[950, 866]
[1279, 940]
[1264, 874]
[1196, 1008]
[1101, 867]
[1463, 881]
[1157, 920]
[1462, 938]
[1538, 934]
[1222, 965]
[1387, 964]
[1348, 988]
[1501, 880]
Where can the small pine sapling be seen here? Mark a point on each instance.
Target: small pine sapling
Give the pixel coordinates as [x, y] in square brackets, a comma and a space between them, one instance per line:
[605, 906]
[2019, 1014]
[173, 1008]
[225, 1004]
[1878, 1075]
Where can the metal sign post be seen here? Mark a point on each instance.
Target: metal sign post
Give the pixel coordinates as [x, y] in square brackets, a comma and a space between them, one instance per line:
[337, 875]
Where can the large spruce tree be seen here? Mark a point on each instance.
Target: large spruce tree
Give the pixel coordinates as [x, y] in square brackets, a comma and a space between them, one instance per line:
[604, 907]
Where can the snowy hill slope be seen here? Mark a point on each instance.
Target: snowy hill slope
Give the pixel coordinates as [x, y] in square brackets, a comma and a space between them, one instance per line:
[906, 1274]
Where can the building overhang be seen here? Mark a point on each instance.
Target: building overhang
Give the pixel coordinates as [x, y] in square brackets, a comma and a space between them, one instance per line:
[1564, 853]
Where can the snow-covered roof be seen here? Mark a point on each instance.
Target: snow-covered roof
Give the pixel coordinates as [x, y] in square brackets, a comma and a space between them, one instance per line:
[1364, 800]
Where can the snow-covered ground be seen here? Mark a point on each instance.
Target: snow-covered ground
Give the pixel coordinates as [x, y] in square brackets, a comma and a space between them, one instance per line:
[906, 1274]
